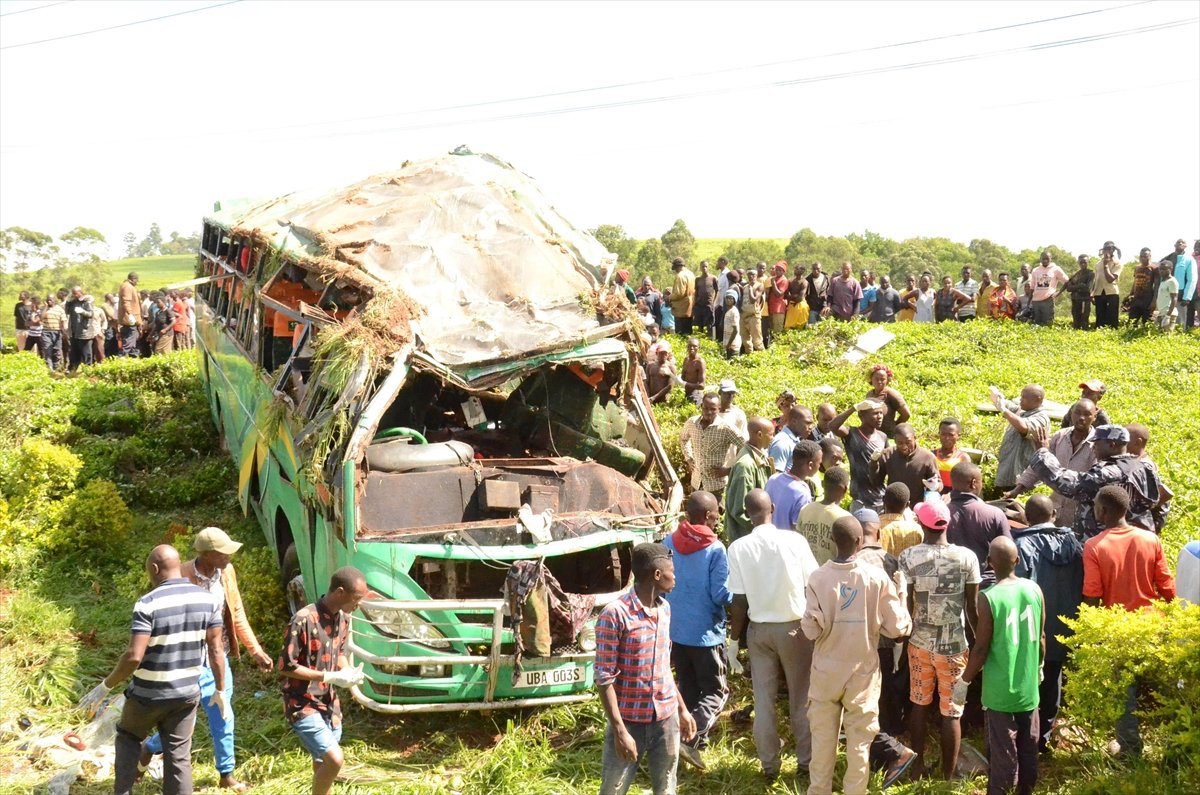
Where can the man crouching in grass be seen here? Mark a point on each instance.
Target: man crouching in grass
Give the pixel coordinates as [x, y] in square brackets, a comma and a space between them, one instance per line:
[312, 662]
[646, 716]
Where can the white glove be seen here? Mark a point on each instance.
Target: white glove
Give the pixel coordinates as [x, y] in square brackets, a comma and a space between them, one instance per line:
[219, 701]
[79, 310]
[958, 693]
[731, 651]
[346, 677]
[90, 704]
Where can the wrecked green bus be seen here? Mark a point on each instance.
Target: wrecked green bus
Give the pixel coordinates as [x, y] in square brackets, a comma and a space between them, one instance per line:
[418, 376]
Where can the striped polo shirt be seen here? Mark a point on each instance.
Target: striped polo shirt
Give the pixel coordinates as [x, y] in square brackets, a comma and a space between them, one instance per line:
[176, 615]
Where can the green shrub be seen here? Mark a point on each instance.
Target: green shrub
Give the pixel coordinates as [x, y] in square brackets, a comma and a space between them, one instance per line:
[184, 485]
[172, 374]
[40, 473]
[94, 518]
[262, 594]
[1159, 647]
[104, 408]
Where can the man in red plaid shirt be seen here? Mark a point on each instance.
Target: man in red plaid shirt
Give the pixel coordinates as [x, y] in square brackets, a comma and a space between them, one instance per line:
[646, 717]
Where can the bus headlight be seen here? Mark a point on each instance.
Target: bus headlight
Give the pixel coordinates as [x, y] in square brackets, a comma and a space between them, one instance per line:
[587, 638]
[405, 625]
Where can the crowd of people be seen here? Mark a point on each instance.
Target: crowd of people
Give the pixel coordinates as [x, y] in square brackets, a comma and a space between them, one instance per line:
[744, 310]
[68, 328]
[870, 577]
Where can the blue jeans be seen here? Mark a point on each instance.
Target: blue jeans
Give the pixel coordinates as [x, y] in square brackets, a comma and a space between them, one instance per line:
[1128, 727]
[317, 735]
[658, 742]
[220, 728]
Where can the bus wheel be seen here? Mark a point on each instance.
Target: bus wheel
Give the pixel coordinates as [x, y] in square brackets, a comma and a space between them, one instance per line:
[292, 580]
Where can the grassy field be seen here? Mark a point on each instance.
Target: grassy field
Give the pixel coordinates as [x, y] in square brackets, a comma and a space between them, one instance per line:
[153, 273]
[64, 613]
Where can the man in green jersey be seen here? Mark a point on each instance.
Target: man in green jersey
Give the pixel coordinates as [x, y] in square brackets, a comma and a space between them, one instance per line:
[1010, 644]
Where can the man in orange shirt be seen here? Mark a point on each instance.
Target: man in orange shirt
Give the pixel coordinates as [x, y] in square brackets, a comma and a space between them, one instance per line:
[289, 289]
[1124, 565]
[181, 339]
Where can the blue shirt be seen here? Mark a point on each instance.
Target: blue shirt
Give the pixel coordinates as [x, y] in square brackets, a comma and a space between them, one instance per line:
[781, 449]
[700, 595]
[1185, 274]
[789, 494]
[869, 293]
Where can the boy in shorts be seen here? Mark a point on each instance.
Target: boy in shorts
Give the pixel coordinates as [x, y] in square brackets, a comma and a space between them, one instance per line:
[313, 661]
[944, 581]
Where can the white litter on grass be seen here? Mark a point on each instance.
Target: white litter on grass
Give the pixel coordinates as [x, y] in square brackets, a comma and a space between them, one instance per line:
[96, 759]
[868, 343]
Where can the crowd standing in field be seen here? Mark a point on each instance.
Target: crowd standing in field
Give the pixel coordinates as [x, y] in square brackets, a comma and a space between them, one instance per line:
[743, 311]
[876, 590]
[70, 328]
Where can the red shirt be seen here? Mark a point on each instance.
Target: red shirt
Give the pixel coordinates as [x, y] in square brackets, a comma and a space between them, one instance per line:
[633, 654]
[315, 639]
[1126, 566]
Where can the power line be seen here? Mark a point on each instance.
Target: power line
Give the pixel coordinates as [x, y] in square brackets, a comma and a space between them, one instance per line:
[691, 75]
[35, 8]
[772, 84]
[115, 27]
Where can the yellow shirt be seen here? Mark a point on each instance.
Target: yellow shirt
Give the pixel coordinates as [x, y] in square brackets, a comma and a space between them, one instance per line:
[982, 299]
[897, 534]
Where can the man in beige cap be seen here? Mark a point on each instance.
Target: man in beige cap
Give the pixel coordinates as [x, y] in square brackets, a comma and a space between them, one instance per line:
[1092, 390]
[211, 570]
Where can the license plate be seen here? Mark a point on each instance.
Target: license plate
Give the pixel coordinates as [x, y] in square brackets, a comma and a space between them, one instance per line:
[549, 677]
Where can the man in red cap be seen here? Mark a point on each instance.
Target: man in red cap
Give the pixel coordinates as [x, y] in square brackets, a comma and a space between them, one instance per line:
[945, 581]
[1092, 389]
[621, 285]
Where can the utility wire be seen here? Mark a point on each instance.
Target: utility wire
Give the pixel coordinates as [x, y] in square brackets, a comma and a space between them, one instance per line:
[35, 8]
[691, 75]
[115, 27]
[772, 84]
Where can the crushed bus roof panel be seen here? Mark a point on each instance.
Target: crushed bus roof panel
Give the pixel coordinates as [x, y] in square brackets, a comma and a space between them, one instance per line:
[468, 238]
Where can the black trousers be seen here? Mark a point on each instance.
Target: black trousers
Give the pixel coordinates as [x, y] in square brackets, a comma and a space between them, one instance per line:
[1081, 313]
[1108, 309]
[80, 353]
[683, 326]
[1049, 699]
[174, 719]
[718, 321]
[1012, 752]
[893, 692]
[700, 672]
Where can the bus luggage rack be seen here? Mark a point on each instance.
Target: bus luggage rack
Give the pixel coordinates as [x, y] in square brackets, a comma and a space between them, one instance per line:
[487, 644]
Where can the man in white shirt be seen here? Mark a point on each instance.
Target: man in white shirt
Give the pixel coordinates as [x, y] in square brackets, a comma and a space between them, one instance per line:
[768, 573]
[1048, 281]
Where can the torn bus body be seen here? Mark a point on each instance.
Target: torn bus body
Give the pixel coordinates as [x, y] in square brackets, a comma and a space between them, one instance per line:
[417, 380]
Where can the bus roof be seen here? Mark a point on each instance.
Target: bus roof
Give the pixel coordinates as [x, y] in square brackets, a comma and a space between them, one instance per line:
[493, 267]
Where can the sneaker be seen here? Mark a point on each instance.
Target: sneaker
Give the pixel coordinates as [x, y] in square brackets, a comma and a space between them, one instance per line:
[742, 715]
[691, 755]
[897, 769]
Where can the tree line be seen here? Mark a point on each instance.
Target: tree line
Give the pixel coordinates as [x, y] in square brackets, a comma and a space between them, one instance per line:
[868, 251]
[36, 261]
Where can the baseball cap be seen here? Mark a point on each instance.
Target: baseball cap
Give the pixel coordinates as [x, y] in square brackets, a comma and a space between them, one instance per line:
[1094, 385]
[214, 539]
[727, 385]
[933, 515]
[866, 516]
[1111, 433]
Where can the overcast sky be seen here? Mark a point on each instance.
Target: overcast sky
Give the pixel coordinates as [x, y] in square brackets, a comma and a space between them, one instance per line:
[744, 119]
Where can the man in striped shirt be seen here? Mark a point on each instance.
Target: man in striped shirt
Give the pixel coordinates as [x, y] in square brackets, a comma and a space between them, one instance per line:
[176, 628]
[646, 716]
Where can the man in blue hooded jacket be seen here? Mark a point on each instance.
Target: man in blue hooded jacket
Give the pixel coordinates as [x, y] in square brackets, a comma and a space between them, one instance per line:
[1052, 557]
[698, 604]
